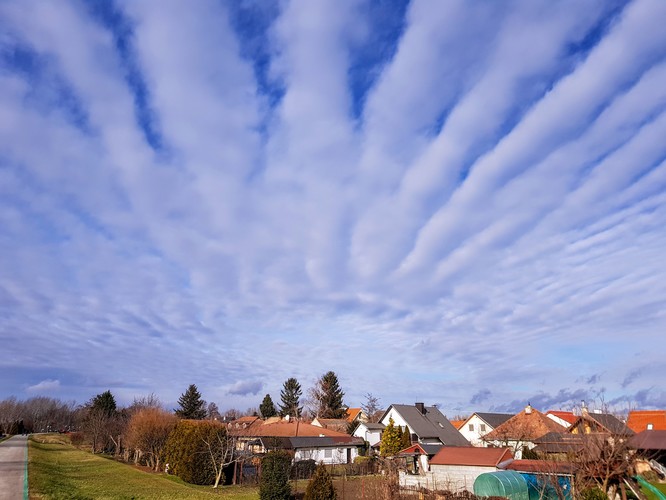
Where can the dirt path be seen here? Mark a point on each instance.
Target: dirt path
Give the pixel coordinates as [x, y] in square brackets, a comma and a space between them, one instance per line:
[13, 456]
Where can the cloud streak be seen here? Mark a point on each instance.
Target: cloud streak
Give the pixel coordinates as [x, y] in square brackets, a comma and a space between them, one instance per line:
[470, 196]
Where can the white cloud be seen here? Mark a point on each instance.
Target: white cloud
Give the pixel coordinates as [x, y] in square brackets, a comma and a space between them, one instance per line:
[498, 201]
[45, 387]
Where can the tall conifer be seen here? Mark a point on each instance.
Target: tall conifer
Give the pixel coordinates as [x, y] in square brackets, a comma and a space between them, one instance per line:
[191, 404]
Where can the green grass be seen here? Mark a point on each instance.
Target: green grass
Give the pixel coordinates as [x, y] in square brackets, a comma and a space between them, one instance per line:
[651, 496]
[58, 470]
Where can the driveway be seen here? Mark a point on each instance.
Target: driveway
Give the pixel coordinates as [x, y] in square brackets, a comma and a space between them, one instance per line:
[13, 456]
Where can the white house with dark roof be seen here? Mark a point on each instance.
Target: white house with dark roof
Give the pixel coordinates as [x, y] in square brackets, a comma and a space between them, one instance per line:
[426, 424]
[479, 424]
[372, 433]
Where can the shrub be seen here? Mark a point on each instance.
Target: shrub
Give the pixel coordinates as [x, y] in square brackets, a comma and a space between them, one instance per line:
[187, 454]
[274, 481]
[593, 494]
[303, 469]
[320, 486]
[76, 438]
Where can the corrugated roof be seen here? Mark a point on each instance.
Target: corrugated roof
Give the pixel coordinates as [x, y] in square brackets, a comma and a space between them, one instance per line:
[639, 419]
[431, 425]
[649, 440]
[470, 455]
[544, 466]
[559, 442]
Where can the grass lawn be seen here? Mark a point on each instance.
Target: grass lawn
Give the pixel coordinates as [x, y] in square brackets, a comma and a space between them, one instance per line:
[58, 470]
[651, 496]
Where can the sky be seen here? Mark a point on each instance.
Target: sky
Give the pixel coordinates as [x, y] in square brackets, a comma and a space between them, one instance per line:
[460, 203]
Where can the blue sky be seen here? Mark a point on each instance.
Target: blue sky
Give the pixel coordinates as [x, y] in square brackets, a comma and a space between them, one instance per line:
[454, 202]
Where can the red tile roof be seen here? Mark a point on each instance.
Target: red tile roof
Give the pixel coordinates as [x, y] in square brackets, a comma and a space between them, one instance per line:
[457, 423]
[567, 416]
[639, 419]
[283, 429]
[352, 413]
[546, 466]
[470, 455]
[527, 425]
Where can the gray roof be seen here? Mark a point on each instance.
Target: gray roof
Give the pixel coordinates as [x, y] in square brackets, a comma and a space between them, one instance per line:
[373, 427]
[612, 423]
[432, 424]
[494, 419]
[325, 442]
[649, 440]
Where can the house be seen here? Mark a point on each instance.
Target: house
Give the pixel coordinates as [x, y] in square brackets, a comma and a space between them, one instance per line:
[417, 457]
[479, 424]
[336, 424]
[372, 433]
[426, 424]
[597, 422]
[521, 430]
[321, 449]
[564, 418]
[356, 415]
[651, 444]
[647, 420]
[306, 441]
[327, 450]
[559, 445]
[455, 468]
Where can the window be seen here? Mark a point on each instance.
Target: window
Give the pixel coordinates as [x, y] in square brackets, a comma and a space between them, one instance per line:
[328, 453]
[471, 427]
[649, 427]
[483, 427]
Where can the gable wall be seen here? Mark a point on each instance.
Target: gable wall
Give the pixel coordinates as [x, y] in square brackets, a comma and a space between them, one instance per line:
[474, 436]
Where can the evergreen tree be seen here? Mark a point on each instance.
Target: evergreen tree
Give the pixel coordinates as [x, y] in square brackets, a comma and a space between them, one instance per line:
[320, 486]
[290, 397]
[274, 480]
[328, 396]
[405, 439]
[104, 403]
[391, 442]
[191, 404]
[267, 408]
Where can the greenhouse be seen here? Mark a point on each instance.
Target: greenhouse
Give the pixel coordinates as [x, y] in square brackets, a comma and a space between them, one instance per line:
[506, 483]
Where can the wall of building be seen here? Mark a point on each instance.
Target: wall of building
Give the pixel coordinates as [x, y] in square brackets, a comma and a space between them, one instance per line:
[327, 455]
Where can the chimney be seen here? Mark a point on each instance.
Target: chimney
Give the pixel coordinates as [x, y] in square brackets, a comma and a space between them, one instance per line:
[583, 408]
[528, 409]
[286, 417]
[421, 408]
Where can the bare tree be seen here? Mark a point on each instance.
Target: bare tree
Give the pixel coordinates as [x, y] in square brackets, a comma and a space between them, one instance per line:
[10, 413]
[372, 407]
[604, 461]
[221, 448]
